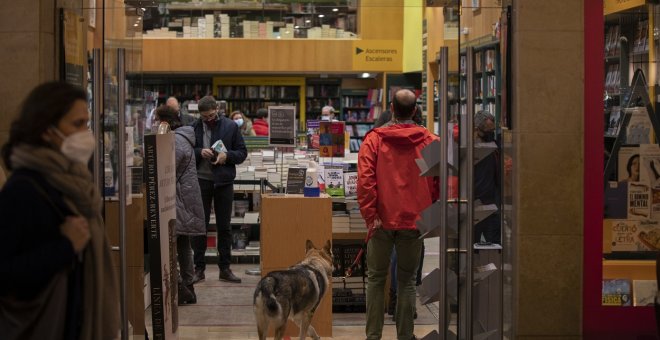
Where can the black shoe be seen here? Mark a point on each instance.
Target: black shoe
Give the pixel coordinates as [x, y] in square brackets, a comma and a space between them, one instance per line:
[227, 275]
[199, 276]
[187, 295]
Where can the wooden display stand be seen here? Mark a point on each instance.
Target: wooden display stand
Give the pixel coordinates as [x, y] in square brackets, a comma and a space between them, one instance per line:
[134, 258]
[286, 223]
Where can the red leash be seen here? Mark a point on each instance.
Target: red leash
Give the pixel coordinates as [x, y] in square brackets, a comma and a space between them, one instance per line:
[349, 271]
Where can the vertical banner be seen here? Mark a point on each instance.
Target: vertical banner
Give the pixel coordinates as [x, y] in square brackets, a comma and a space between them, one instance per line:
[282, 125]
[161, 218]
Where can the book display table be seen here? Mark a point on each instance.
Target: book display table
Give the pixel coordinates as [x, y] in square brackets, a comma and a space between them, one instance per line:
[287, 221]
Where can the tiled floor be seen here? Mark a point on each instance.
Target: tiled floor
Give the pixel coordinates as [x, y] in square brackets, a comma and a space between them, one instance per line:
[224, 310]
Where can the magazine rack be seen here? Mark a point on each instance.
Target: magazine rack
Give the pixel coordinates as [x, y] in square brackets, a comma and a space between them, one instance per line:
[635, 96]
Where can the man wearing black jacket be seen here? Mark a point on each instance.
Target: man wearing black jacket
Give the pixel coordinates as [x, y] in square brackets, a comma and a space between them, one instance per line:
[216, 172]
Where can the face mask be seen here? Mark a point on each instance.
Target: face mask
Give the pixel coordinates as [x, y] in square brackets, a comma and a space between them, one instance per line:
[78, 146]
[325, 118]
[487, 136]
[239, 122]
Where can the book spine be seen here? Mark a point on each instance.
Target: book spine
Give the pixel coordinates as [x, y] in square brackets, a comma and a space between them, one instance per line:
[153, 217]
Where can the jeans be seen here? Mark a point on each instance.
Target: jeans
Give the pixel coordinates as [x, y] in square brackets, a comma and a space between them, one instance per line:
[379, 249]
[418, 279]
[223, 198]
[185, 257]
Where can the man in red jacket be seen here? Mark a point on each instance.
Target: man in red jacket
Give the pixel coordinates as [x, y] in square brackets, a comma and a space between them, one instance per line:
[391, 195]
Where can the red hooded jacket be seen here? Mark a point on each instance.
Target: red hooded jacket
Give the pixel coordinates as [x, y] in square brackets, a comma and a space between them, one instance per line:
[260, 127]
[389, 185]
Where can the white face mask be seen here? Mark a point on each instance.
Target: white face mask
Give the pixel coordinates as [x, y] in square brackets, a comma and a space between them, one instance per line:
[78, 146]
[239, 122]
[325, 118]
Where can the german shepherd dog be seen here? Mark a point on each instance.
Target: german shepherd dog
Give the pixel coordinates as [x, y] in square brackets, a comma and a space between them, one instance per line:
[294, 293]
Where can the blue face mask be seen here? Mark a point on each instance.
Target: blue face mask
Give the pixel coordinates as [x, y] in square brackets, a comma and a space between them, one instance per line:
[239, 122]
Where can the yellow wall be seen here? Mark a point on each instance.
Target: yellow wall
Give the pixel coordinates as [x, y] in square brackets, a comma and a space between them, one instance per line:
[412, 35]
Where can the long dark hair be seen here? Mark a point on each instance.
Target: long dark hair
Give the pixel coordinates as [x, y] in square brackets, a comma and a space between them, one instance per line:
[44, 106]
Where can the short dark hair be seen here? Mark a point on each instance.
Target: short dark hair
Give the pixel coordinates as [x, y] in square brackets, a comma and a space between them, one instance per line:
[43, 107]
[404, 107]
[262, 113]
[168, 114]
[207, 103]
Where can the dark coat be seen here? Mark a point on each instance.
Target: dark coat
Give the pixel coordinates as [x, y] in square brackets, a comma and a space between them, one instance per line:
[189, 208]
[230, 134]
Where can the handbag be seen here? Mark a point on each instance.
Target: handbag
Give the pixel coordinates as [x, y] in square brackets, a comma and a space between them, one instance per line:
[42, 316]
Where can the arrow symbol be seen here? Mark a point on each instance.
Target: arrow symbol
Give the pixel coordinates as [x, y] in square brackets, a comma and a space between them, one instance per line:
[358, 50]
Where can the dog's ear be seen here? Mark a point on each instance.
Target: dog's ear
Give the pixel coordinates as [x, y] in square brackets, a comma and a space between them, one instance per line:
[308, 245]
[328, 247]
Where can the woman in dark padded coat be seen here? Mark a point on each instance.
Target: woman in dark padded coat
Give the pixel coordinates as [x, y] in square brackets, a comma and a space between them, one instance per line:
[56, 274]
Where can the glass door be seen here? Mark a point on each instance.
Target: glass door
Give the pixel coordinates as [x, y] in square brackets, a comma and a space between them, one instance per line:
[473, 125]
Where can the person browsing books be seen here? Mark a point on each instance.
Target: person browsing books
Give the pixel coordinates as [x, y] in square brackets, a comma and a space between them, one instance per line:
[185, 119]
[189, 207]
[328, 113]
[486, 179]
[243, 123]
[391, 194]
[216, 172]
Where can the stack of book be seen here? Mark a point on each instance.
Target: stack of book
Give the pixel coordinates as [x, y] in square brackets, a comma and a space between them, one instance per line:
[340, 222]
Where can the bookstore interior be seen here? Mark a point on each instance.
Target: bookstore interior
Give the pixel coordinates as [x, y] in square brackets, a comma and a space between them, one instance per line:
[284, 63]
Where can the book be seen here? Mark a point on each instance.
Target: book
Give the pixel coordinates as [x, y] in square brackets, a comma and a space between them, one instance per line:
[350, 184]
[639, 200]
[219, 146]
[635, 235]
[616, 292]
[639, 127]
[644, 292]
[649, 174]
[334, 180]
[331, 139]
[628, 164]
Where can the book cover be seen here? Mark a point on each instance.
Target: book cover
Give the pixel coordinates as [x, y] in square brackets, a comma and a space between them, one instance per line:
[644, 292]
[616, 200]
[334, 181]
[161, 221]
[639, 201]
[312, 134]
[635, 236]
[649, 174]
[639, 127]
[350, 184]
[331, 139]
[616, 292]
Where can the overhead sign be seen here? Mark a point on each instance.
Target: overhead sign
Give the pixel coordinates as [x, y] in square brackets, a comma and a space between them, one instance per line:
[377, 55]
[614, 6]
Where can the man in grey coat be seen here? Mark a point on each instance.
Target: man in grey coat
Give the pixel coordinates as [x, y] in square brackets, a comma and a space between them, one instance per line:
[189, 208]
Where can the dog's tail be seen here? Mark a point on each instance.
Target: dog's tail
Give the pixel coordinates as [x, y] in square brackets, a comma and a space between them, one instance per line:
[267, 290]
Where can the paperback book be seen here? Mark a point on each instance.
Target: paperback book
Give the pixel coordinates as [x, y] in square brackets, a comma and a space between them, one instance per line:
[616, 292]
[334, 181]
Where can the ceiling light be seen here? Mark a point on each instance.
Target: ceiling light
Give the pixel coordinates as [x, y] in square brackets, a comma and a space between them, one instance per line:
[307, 21]
[135, 25]
[296, 27]
[144, 9]
[321, 15]
[335, 9]
[365, 75]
